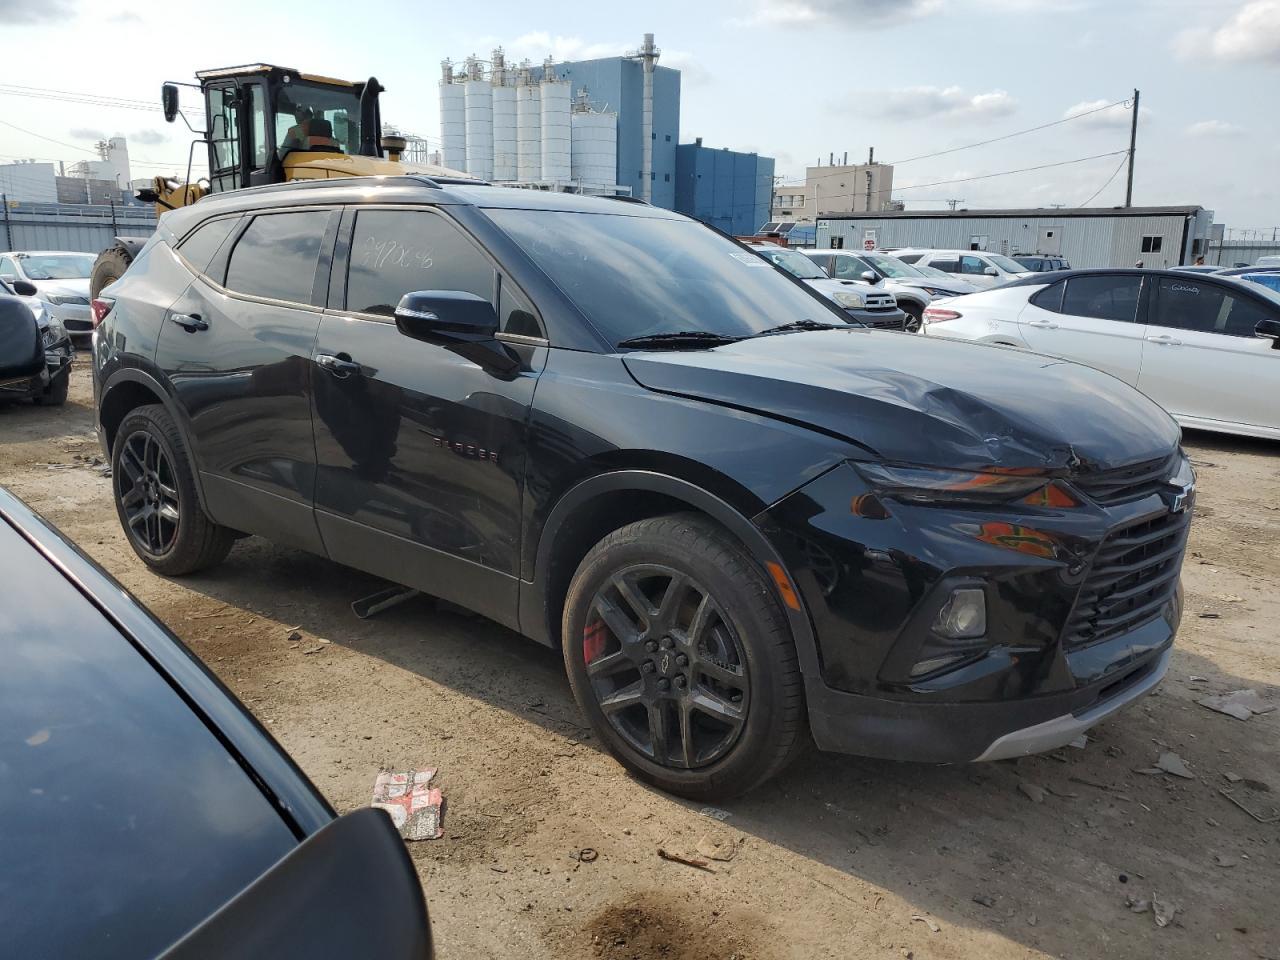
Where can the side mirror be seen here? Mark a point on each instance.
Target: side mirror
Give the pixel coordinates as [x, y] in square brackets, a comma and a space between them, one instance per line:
[1270, 330]
[24, 288]
[991, 272]
[169, 101]
[459, 321]
[869, 276]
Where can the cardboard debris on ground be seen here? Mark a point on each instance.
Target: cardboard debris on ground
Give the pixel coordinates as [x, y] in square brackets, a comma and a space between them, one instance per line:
[928, 922]
[1032, 792]
[723, 849]
[1170, 762]
[1241, 704]
[414, 805]
[1164, 910]
[715, 813]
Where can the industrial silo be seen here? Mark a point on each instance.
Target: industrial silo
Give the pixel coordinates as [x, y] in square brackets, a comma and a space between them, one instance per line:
[528, 127]
[478, 94]
[556, 132]
[453, 120]
[595, 144]
[504, 119]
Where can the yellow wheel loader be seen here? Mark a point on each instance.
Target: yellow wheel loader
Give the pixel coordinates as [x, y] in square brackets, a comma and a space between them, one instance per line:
[267, 124]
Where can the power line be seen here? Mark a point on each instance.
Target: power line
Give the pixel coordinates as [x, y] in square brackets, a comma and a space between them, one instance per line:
[40, 136]
[1118, 168]
[71, 96]
[1005, 173]
[1009, 136]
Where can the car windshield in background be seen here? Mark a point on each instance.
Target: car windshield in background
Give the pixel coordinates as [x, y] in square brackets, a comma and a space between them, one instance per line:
[933, 272]
[643, 276]
[892, 267]
[796, 264]
[1006, 264]
[70, 266]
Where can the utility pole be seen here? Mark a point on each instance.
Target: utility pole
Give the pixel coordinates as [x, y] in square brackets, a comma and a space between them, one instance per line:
[952, 203]
[1133, 145]
[868, 191]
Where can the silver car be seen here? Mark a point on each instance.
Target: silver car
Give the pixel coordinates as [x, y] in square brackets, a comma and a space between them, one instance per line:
[61, 280]
[914, 291]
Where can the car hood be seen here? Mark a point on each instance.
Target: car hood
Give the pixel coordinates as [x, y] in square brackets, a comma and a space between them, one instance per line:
[830, 285]
[63, 288]
[931, 402]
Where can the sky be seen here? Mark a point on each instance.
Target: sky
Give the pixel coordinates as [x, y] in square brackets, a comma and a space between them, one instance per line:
[792, 79]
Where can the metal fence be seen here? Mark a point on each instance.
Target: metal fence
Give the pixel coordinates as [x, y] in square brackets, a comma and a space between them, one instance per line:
[1229, 252]
[82, 228]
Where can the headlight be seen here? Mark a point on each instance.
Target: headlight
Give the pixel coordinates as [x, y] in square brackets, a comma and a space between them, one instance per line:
[935, 292]
[850, 301]
[927, 485]
[68, 299]
[37, 309]
[55, 331]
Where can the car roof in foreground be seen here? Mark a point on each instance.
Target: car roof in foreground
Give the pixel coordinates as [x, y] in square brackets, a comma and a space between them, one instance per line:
[137, 800]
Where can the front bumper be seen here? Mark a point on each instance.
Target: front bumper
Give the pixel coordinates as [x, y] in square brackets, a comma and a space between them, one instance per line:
[58, 357]
[1048, 667]
[880, 319]
[76, 317]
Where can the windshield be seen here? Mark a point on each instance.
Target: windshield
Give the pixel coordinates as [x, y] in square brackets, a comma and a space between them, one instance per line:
[891, 266]
[636, 276]
[1005, 264]
[57, 266]
[796, 264]
[934, 273]
[312, 116]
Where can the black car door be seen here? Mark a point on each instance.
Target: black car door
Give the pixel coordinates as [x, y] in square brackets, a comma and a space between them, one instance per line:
[237, 348]
[420, 451]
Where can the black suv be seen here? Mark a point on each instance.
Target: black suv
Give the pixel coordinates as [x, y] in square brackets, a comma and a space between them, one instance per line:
[625, 435]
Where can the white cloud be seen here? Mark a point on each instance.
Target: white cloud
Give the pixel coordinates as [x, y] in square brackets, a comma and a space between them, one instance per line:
[1110, 118]
[849, 13]
[1214, 128]
[148, 137]
[17, 12]
[944, 103]
[87, 133]
[1252, 33]
[537, 45]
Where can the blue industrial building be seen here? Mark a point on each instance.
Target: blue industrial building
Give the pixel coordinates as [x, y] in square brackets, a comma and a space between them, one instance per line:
[617, 84]
[729, 190]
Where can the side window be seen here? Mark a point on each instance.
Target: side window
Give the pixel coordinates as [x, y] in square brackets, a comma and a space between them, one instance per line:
[1050, 298]
[913, 258]
[946, 266]
[847, 268]
[276, 256]
[1103, 297]
[515, 312]
[394, 252]
[1206, 307]
[7, 270]
[972, 265]
[258, 121]
[224, 128]
[202, 243]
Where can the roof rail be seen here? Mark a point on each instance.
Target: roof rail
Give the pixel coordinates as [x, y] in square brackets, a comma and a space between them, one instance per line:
[628, 199]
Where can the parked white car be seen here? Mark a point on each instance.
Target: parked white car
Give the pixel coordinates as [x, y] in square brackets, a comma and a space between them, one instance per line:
[1207, 349]
[862, 302]
[61, 280]
[983, 270]
[1268, 262]
[913, 290]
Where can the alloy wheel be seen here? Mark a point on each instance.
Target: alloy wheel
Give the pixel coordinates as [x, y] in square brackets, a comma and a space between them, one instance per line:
[147, 489]
[666, 666]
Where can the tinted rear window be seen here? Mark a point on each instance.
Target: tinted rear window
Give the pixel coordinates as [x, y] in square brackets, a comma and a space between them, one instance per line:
[1106, 297]
[276, 256]
[202, 243]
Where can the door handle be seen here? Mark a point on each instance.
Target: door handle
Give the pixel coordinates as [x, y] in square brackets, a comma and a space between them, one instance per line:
[1164, 341]
[340, 365]
[190, 322]
[1043, 324]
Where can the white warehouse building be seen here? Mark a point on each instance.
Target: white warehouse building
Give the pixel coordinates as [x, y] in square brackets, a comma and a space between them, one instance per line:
[1084, 236]
[502, 124]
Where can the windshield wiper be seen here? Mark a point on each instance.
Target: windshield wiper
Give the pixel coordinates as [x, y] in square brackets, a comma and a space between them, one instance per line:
[802, 325]
[681, 338]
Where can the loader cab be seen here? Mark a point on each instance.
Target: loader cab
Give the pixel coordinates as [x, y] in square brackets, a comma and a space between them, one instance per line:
[260, 116]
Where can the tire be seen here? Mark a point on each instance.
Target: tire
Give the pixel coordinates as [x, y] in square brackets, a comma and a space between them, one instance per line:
[108, 268]
[152, 481]
[915, 315]
[55, 395]
[739, 684]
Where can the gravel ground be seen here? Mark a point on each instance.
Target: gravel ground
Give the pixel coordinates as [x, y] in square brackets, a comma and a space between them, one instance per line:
[839, 857]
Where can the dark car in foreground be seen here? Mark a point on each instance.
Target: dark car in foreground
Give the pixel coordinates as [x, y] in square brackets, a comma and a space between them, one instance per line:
[35, 351]
[144, 812]
[624, 435]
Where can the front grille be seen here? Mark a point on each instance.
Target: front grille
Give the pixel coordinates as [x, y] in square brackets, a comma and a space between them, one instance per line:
[1134, 574]
[1133, 482]
[881, 302]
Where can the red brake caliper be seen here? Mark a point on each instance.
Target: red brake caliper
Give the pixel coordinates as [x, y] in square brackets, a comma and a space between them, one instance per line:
[593, 640]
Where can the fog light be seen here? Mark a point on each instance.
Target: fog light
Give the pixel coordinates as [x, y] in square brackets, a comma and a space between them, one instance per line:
[964, 615]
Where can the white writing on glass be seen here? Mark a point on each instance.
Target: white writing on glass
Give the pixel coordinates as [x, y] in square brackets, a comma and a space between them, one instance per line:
[379, 254]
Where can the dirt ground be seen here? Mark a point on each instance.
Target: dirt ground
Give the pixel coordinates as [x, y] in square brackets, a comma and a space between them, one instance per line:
[839, 857]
